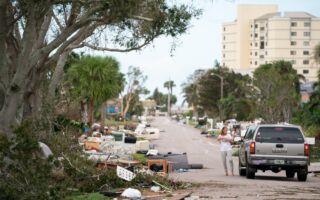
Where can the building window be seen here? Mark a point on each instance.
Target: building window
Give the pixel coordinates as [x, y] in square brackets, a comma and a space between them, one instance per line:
[255, 63]
[305, 53]
[250, 53]
[255, 44]
[293, 24]
[293, 53]
[250, 43]
[224, 46]
[266, 53]
[306, 43]
[250, 62]
[293, 33]
[250, 35]
[224, 28]
[251, 25]
[261, 28]
[255, 53]
[256, 35]
[293, 43]
[224, 37]
[293, 62]
[266, 43]
[261, 38]
[305, 71]
[256, 26]
[261, 45]
[307, 24]
[306, 34]
[261, 56]
[305, 62]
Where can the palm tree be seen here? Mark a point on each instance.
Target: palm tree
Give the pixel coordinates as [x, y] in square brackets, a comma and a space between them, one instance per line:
[169, 85]
[96, 79]
[316, 53]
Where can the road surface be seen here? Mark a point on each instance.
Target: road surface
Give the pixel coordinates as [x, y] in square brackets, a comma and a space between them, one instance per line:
[180, 138]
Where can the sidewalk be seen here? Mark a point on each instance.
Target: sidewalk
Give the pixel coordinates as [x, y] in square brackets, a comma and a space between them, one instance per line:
[314, 167]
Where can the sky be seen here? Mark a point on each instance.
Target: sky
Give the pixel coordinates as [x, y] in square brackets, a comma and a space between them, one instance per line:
[199, 47]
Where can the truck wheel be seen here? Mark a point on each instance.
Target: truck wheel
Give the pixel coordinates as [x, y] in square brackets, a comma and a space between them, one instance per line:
[302, 174]
[289, 173]
[250, 172]
[242, 172]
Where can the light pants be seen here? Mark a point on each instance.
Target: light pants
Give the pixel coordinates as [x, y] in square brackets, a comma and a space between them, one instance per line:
[227, 156]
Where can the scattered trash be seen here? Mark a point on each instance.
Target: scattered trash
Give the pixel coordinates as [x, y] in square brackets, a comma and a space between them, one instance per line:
[125, 174]
[182, 170]
[155, 189]
[164, 187]
[45, 150]
[131, 193]
[152, 152]
[196, 166]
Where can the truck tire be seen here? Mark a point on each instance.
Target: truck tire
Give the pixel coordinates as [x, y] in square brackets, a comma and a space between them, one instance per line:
[290, 173]
[250, 172]
[242, 172]
[302, 174]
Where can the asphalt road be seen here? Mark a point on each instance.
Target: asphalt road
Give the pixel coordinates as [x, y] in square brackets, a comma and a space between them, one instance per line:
[180, 138]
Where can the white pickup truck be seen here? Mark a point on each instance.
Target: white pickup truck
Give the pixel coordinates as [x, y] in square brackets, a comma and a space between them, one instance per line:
[274, 147]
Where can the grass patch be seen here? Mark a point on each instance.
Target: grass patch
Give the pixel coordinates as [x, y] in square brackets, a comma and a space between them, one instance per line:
[140, 157]
[90, 196]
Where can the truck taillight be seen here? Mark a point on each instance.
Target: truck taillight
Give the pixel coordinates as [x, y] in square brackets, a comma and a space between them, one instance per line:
[306, 149]
[252, 147]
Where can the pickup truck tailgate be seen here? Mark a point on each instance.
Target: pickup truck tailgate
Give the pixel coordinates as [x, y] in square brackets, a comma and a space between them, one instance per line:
[287, 141]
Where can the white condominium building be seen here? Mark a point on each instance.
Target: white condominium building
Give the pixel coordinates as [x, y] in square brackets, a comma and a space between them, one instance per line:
[261, 35]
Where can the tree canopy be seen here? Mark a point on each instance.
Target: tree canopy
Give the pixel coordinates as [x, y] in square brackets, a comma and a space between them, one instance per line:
[37, 35]
[95, 78]
[278, 94]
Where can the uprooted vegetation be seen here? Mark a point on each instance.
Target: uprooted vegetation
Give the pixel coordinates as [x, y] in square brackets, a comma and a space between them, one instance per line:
[26, 174]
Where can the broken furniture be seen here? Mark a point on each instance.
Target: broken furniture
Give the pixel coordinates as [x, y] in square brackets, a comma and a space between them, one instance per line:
[161, 164]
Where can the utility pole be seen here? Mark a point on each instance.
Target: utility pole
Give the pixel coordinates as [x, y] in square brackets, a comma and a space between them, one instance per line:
[221, 94]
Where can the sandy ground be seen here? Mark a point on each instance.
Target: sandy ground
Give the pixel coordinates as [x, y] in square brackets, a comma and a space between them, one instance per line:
[180, 138]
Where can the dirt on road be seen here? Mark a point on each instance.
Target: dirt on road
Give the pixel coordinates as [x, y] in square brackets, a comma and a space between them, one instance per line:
[213, 184]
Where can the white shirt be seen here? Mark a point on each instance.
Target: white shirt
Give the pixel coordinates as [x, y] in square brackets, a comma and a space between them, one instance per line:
[225, 144]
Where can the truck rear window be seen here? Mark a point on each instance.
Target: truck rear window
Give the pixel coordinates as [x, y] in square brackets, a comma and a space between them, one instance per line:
[279, 135]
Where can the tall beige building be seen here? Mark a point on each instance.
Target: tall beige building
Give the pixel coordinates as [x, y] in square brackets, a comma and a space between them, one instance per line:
[261, 35]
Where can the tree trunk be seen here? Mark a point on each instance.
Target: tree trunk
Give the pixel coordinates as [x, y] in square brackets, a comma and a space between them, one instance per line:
[103, 113]
[58, 73]
[84, 111]
[128, 100]
[9, 111]
[91, 110]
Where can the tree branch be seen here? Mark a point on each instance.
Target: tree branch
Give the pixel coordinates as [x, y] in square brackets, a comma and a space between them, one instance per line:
[57, 21]
[114, 49]
[142, 18]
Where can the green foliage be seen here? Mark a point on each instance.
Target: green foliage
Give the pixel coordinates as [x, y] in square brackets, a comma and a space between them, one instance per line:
[277, 91]
[140, 157]
[95, 77]
[25, 174]
[91, 196]
[202, 90]
[162, 99]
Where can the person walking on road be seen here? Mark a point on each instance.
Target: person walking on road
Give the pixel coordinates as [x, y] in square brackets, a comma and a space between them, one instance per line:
[225, 140]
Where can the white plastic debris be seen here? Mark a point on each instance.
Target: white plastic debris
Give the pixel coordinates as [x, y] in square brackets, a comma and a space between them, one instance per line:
[45, 150]
[131, 193]
[152, 152]
[155, 189]
[125, 174]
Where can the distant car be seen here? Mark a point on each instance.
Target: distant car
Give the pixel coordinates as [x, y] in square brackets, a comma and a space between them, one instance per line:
[274, 147]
